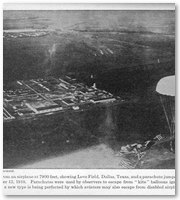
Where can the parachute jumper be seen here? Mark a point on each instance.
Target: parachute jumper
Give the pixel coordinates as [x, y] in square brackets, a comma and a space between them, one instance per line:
[166, 90]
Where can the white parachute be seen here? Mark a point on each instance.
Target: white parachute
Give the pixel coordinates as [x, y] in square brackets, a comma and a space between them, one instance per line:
[166, 90]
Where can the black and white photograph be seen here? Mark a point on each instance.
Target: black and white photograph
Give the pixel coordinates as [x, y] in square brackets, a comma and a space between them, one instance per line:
[89, 89]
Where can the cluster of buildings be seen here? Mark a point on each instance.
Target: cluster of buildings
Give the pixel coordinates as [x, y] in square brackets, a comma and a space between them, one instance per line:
[47, 96]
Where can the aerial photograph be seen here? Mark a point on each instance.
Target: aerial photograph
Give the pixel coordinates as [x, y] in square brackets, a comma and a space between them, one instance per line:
[88, 89]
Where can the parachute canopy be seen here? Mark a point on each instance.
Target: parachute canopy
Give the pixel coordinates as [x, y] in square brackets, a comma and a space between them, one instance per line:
[166, 86]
